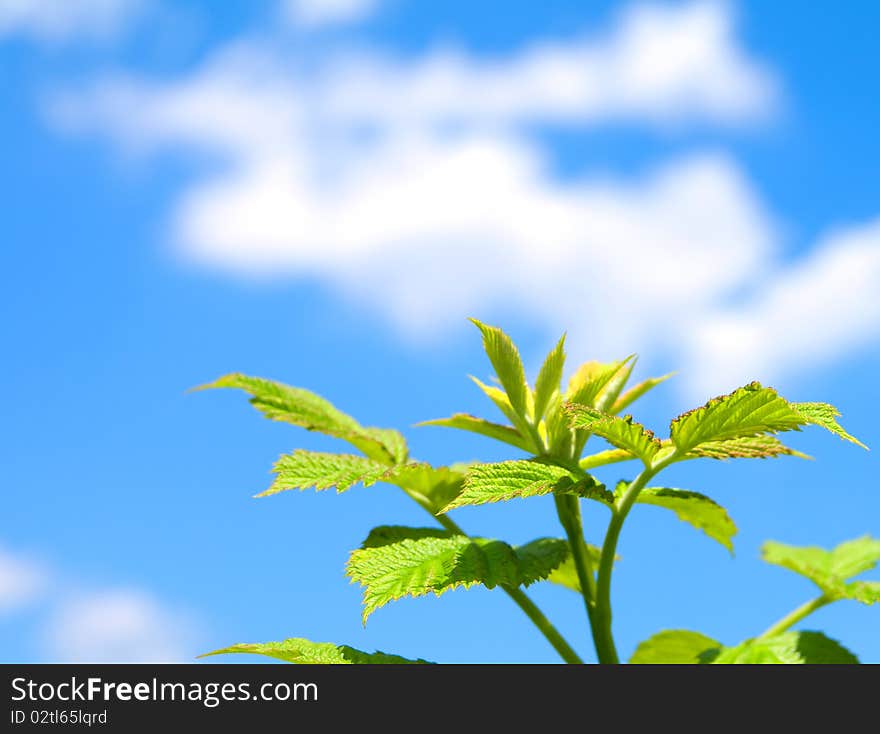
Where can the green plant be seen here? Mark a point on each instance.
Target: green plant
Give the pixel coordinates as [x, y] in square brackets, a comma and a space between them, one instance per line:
[552, 425]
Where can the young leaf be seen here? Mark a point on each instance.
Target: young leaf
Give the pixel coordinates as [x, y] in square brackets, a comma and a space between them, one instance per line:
[695, 509]
[305, 652]
[825, 415]
[830, 570]
[499, 397]
[485, 483]
[623, 433]
[304, 469]
[417, 561]
[549, 378]
[788, 648]
[637, 391]
[505, 359]
[438, 487]
[559, 434]
[465, 422]
[675, 647]
[603, 458]
[596, 384]
[746, 447]
[303, 408]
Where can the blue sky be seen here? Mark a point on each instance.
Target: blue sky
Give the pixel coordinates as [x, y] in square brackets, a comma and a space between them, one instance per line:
[320, 192]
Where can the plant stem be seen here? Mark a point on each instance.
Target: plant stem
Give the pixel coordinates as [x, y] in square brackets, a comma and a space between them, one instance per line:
[795, 616]
[522, 600]
[602, 633]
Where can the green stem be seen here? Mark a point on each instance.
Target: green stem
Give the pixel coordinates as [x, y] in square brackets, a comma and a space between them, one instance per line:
[522, 600]
[605, 647]
[569, 511]
[795, 616]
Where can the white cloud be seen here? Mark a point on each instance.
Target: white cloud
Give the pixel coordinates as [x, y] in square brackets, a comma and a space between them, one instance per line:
[22, 581]
[122, 625]
[61, 20]
[314, 13]
[413, 186]
[660, 64]
[806, 313]
[419, 189]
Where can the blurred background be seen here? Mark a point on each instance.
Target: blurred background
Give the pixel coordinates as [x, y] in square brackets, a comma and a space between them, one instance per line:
[320, 191]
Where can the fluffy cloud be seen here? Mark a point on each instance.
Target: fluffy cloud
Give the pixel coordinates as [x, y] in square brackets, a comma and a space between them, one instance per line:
[314, 13]
[22, 581]
[122, 625]
[60, 20]
[419, 188]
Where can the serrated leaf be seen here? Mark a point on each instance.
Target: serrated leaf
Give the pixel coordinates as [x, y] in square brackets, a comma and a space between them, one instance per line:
[825, 415]
[746, 447]
[866, 592]
[505, 359]
[747, 411]
[438, 486]
[675, 647]
[305, 652]
[637, 391]
[383, 535]
[829, 570]
[549, 378]
[624, 433]
[465, 422]
[418, 561]
[565, 574]
[485, 483]
[280, 402]
[305, 469]
[788, 648]
[695, 509]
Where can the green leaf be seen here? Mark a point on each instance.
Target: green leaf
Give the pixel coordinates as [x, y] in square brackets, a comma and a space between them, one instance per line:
[485, 483]
[747, 411]
[465, 422]
[438, 487]
[304, 652]
[398, 562]
[791, 648]
[549, 378]
[505, 359]
[560, 435]
[304, 469]
[746, 447]
[624, 433]
[603, 458]
[596, 384]
[866, 592]
[829, 570]
[825, 415]
[695, 509]
[499, 397]
[675, 647]
[281, 402]
[637, 391]
[565, 574]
